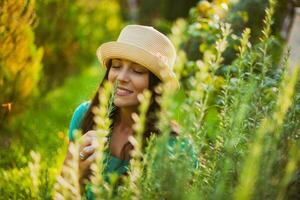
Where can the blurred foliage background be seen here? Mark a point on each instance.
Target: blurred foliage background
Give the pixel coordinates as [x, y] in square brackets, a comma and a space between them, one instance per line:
[48, 64]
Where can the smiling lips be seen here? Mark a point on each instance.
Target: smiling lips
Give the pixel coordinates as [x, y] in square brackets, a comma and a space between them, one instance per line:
[123, 91]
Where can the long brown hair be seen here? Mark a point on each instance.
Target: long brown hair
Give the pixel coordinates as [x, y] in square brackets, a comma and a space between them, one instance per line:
[150, 128]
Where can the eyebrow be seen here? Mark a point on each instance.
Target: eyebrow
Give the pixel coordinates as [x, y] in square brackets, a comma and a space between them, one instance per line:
[114, 59]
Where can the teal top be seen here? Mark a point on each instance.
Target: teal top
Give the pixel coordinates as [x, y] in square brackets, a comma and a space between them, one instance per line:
[114, 164]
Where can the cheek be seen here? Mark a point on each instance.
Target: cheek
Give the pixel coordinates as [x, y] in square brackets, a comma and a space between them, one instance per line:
[142, 83]
[111, 76]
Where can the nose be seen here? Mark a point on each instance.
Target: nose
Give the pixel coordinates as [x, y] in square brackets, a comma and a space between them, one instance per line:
[123, 75]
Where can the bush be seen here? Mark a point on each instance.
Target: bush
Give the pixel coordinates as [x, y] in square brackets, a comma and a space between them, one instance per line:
[71, 32]
[20, 59]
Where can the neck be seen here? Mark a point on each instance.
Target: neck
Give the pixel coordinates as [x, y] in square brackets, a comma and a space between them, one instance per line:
[124, 119]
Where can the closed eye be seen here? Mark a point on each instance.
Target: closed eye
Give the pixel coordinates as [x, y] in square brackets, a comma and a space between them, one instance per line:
[138, 72]
[115, 66]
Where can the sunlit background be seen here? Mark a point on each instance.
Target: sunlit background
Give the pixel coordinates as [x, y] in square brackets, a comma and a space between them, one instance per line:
[48, 63]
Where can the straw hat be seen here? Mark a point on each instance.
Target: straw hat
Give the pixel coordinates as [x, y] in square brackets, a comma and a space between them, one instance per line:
[145, 46]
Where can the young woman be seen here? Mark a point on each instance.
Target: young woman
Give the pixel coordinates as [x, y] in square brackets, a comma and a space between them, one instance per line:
[140, 59]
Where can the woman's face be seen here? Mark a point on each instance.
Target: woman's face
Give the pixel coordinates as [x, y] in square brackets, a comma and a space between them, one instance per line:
[133, 79]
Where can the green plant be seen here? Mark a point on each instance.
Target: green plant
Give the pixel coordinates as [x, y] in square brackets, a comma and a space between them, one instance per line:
[70, 33]
[242, 125]
[20, 59]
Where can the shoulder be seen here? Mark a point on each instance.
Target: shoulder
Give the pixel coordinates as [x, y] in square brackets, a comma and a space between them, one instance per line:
[80, 111]
[77, 118]
[82, 108]
[185, 147]
[184, 142]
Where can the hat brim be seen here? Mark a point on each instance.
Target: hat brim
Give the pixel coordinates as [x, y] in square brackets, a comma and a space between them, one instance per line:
[138, 55]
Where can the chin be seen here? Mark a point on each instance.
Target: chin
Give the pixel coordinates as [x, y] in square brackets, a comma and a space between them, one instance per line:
[123, 103]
